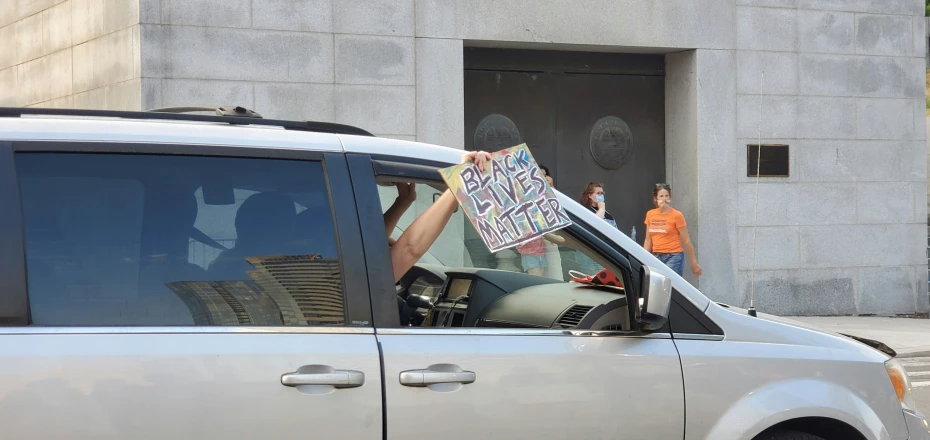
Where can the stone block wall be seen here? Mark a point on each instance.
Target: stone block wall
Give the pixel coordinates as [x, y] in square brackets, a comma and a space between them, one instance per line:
[844, 87]
[348, 61]
[70, 53]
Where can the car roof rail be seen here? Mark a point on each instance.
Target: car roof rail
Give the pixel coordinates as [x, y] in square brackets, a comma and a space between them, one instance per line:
[220, 111]
[174, 115]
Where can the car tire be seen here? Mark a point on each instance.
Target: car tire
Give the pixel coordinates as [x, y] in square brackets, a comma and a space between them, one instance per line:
[788, 435]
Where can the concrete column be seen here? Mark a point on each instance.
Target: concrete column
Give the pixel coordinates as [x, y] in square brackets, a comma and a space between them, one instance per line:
[440, 92]
[681, 137]
[701, 162]
[717, 165]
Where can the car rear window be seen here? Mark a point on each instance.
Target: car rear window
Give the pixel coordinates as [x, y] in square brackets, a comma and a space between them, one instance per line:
[146, 240]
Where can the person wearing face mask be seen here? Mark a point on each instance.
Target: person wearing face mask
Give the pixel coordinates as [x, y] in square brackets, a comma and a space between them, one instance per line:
[592, 197]
[667, 232]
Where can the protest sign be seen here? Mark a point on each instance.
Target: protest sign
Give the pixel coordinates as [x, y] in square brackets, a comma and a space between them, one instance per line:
[510, 203]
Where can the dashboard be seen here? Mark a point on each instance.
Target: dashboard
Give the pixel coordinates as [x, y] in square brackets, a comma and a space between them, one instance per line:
[438, 296]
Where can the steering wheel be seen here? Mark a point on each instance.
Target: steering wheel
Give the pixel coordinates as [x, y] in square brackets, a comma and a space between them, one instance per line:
[432, 273]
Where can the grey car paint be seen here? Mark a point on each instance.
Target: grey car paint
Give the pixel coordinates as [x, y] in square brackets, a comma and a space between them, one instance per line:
[227, 383]
[549, 386]
[769, 372]
[157, 383]
[769, 369]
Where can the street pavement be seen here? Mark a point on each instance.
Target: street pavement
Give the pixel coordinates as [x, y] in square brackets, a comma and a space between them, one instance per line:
[910, 337]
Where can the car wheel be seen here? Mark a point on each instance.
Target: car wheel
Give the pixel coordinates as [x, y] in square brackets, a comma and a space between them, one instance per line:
[788, 435]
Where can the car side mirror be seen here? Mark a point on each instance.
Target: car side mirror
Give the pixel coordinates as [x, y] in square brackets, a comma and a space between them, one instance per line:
[657, 299]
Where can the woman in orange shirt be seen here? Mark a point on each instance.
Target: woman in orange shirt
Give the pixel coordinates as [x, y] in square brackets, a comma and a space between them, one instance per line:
[666, 232]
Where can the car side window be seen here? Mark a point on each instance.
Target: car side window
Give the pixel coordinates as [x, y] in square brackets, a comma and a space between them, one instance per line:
[535, 285]
[146, 240]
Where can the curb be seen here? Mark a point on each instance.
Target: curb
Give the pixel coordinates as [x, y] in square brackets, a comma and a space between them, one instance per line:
[923, 352]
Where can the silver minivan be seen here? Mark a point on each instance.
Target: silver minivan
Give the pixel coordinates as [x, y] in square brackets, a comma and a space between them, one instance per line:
[184, 276]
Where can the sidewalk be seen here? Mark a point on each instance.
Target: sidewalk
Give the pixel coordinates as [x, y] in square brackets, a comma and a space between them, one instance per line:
[910, 337]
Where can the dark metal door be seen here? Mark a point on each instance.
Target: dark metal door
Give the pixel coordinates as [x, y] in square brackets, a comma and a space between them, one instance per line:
[621, 118]
[503, 109]
[585, 127]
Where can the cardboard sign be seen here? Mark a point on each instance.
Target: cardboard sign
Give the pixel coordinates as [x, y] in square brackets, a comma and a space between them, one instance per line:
[510, 203]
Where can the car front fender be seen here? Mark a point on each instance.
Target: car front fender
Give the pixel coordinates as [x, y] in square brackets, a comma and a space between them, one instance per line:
[781, 401]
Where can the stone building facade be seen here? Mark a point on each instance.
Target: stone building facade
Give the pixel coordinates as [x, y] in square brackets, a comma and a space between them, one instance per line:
[841, 233]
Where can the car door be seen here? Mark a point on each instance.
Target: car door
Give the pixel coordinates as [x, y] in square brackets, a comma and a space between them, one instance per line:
[182, 296]
[502, 379]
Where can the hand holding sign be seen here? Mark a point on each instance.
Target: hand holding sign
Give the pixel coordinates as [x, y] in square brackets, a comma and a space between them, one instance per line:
[506, 197]
[479, 158]
[406, 192]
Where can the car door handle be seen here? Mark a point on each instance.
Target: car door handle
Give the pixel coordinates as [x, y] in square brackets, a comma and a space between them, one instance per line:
[424, 378]
[336, 378]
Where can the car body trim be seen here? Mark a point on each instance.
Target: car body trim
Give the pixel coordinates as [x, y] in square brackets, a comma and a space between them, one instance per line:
[462, 331]
[697, 337]
[183, 330]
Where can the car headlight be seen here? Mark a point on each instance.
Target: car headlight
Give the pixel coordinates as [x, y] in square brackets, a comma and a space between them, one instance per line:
[902, 385]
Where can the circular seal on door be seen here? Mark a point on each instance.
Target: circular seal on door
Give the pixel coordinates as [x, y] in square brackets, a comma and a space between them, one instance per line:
[496, 132]
[611, 142]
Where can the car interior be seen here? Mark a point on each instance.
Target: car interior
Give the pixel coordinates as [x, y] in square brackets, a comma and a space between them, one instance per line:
[481, 293]
[140, 232]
